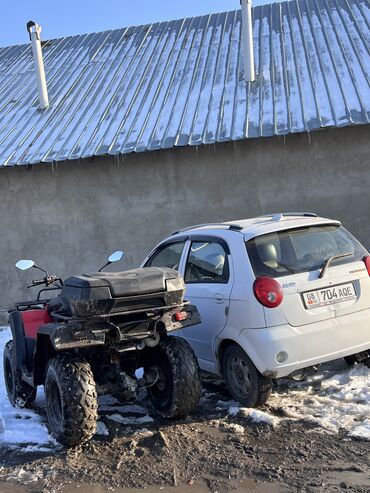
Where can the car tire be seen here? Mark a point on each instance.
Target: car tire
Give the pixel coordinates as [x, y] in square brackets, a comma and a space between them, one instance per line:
[350, 360]
[20, 394]
[244, 382]
[71, 399]
[366, 362]
[177, 390]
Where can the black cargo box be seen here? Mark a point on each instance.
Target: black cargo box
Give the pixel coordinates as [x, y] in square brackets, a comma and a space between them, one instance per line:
[113, 292]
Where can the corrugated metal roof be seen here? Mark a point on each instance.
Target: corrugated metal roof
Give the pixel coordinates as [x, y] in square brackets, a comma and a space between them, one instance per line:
[181, 83]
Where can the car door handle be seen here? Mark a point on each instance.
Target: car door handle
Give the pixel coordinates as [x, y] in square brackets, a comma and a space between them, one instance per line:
[218, 298]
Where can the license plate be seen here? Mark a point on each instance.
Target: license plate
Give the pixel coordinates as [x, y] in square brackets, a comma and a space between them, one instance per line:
[328, 296]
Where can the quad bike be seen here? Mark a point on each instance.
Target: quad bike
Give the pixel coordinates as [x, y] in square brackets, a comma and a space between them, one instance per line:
[92, 339]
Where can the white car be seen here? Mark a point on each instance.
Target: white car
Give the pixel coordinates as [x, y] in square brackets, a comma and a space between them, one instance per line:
[276, 294]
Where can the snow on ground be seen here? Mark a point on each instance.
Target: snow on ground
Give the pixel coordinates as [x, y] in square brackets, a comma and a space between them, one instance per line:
[118, 418]
[101, 429]
[333, 401]
[255, 415]
[341, 401]
[20, 426]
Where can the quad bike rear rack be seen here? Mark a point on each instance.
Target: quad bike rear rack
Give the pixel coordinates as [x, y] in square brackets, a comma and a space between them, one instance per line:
[151, 310]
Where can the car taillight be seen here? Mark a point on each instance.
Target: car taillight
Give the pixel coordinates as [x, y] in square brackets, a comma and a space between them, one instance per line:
[268, 291]
[180, 316]
[366, 260]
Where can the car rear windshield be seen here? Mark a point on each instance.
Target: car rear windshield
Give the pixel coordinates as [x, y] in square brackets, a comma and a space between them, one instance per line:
[300, 250]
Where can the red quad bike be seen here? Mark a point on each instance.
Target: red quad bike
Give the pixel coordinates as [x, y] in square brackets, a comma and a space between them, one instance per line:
[91, 339]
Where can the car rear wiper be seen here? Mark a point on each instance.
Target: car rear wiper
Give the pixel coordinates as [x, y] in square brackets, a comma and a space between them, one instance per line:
[329, 261]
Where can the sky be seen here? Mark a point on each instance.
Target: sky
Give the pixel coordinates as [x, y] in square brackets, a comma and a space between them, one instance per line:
[69, 17]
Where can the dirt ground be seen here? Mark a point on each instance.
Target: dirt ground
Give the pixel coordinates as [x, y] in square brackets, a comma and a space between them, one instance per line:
[210, 451]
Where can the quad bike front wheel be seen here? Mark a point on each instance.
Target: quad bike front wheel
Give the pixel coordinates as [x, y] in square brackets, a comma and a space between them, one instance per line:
[177, 388]
[71, 399]
[20, 394]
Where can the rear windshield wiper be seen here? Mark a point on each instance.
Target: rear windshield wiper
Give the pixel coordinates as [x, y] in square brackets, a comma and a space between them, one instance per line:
[329, 261]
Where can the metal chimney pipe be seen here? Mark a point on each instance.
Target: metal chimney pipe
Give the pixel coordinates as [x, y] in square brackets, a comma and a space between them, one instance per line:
[247, 40]
[34, 32]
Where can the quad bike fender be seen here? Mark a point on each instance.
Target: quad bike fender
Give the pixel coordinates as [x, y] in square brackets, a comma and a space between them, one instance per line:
[65, 336]
[56, 337]
[25, 326]
[16, 326]
[33, 320]
[43, 353]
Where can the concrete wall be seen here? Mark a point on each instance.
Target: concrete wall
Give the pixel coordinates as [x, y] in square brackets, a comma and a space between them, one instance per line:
[69, 217]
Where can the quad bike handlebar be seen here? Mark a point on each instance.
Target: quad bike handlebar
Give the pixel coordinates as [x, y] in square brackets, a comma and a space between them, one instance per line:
[48, 281]
[36, 283]
[57, 282]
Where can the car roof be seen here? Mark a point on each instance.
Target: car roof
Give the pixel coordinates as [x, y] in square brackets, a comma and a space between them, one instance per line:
[260, 225]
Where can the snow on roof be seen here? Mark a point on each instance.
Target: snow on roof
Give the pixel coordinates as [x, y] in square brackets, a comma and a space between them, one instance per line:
[181, 83]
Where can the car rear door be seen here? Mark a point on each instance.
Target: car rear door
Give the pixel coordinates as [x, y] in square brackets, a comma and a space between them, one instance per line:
[208, 275]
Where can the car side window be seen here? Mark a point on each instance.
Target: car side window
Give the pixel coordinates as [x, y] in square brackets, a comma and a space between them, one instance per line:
[207, 263]
[167, 256]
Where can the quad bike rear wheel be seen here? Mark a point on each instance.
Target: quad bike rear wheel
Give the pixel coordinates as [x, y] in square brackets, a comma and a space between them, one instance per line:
[20, 394]
[177, 388]
[71, 399]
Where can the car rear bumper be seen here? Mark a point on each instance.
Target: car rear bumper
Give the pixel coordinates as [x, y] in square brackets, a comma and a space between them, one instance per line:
[307, 345]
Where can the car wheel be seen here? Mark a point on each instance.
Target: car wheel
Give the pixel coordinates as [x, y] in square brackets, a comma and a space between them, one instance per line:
[350, 360]
[358, 358]
[20, 394]
[71, 399]
[243, 380]
[367, 362]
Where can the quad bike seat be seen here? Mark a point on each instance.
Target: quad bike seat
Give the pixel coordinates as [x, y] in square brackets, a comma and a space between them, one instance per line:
[107, 292]
[127, 283]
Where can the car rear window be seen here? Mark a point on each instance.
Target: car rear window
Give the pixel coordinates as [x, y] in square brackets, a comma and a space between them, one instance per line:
[300, 250]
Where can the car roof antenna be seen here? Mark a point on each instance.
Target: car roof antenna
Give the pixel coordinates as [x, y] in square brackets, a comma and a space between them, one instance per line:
[277, 217]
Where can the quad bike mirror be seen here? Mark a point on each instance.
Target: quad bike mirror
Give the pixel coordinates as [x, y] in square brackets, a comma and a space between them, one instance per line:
[116, 256]
[24, 264]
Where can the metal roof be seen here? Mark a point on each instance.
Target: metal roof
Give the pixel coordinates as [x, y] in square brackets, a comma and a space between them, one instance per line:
[181, 83]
